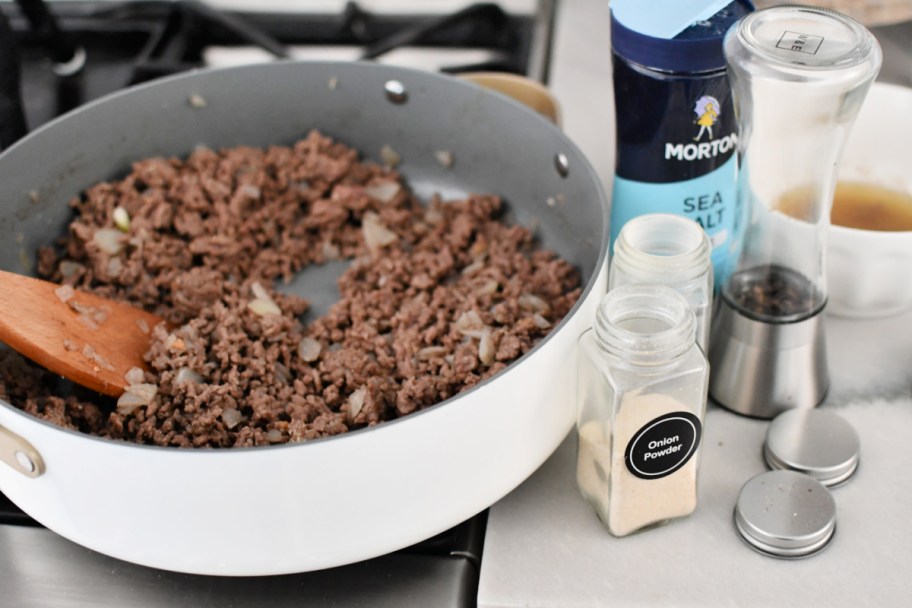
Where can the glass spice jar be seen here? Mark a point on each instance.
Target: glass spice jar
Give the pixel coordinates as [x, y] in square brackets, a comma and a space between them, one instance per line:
[641, 398]
[665, 249]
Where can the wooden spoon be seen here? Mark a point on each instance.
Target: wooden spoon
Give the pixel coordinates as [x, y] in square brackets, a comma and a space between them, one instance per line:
[88, 339]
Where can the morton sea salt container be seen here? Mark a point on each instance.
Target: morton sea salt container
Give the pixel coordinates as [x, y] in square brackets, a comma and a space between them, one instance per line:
[676, 131]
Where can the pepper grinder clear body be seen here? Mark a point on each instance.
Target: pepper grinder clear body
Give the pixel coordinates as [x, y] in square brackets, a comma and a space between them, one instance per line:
[799, 76]
[641, 398]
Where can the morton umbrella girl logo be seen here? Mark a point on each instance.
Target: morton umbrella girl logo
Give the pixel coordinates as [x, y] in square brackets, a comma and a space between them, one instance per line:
[707, 111]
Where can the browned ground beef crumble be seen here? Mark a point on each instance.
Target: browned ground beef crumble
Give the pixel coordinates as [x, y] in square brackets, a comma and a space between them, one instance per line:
[451, 299]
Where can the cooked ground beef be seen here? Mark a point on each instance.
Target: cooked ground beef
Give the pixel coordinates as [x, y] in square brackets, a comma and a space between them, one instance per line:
[435, 300]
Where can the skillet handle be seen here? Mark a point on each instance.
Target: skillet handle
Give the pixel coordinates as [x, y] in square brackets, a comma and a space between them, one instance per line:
[20, 454]
[526, 91]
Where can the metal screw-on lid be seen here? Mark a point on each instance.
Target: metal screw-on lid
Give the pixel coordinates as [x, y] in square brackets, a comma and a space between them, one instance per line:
[785, 514]
[815, 442]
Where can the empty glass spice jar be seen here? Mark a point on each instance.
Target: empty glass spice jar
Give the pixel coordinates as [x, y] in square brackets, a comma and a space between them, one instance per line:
[665, 249]
[641, 397]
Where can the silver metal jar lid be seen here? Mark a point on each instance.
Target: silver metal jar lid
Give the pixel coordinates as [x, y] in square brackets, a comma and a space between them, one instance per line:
[815, 442]
[785, 514]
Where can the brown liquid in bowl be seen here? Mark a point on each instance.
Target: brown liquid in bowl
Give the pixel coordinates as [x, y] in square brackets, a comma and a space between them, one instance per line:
[870, 207]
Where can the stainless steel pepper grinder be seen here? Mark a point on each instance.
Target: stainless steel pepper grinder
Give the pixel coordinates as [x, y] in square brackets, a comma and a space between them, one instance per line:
[799, 76]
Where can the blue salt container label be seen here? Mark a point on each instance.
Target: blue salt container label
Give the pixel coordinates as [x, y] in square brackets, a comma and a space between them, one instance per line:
[676, 131]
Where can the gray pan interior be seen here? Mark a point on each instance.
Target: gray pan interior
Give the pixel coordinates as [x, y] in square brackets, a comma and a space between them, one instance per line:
[498, 146]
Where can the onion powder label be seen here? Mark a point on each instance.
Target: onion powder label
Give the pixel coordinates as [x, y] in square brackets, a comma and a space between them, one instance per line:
[663, 445]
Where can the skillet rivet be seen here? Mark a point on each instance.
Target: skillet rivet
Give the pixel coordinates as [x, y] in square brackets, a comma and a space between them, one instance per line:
[561, 164]
[27, 464]
[395, 91]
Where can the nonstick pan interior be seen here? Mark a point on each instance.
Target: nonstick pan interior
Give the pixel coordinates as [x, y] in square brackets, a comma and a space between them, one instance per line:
[543, 177]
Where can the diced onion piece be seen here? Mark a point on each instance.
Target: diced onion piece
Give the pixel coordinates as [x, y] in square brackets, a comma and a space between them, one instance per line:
[433, 216]
[533, 303]
[91, 354]
[231, 417]
[109, 240]
[487, 288]
[282, 373]
[115, 267]
[274, 436]
[185, 374]
[134, 375]
[384, 191]
[68, 268]
[431, 352]
[87, 321]
[64, 292]
[139, 237]
[486, 347]
[263, 307]
[90, 313]
[100, 315]
[444, 157]
[190, 334]
[136, 395]
[470, 324]
[473, 267]
[251, 191]
[121, 219]
[356, 401]
[389, 156]
[259, 291]
[540, 321]
[330, 251]
[376, 235]
[309, 349]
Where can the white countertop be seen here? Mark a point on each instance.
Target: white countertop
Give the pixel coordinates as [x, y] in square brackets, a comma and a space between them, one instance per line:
[544, 544]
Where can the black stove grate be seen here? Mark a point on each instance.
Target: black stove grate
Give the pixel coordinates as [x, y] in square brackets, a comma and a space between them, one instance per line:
[13, 515]
[132, 42]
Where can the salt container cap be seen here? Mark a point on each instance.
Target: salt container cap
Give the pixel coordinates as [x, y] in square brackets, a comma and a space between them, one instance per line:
[674, 35]
[785, 514]
[814, 442]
